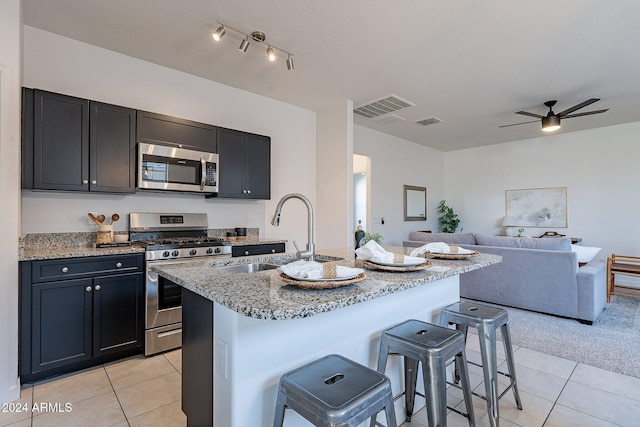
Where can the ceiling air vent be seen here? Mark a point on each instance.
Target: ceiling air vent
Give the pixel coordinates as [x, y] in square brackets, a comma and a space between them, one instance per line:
[428, 121]
[389, 118]
[382, 106]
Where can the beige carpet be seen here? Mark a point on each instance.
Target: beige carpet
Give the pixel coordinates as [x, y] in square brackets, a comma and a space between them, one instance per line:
[611, 343]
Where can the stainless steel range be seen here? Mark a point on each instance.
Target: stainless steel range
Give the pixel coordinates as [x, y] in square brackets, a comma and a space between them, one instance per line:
[169, 238]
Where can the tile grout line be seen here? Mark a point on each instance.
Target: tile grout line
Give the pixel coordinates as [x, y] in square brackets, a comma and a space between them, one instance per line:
[116, 394]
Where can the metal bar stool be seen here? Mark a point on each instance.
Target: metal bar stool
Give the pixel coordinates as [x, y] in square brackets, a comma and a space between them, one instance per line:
[433, 346]
[334, 391]
[486, 319]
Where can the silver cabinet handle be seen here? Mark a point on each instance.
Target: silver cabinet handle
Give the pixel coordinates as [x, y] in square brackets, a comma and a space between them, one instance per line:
[273, 251]
[244, 191]
[87, 289]
[248, 191]
[246, 252]
[118, 264]
[65, 269]
[94, 182]
[97, 287]
[85, 181]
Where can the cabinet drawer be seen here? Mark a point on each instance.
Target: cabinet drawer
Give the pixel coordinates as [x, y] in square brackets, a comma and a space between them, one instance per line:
[246, 250]
[44, 271]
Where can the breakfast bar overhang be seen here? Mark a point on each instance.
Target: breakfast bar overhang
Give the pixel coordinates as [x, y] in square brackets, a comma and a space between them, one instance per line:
[242, 331]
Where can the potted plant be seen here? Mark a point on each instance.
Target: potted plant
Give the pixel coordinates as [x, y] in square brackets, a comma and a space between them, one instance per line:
[376, 237]
[448, 219]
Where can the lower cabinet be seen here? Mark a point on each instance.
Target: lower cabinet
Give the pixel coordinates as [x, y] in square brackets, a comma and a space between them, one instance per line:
[67, 325]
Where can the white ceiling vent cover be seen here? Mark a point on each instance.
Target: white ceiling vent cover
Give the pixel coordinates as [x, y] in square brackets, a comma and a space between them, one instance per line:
[428, 121]
[382, 106]
[389, 118]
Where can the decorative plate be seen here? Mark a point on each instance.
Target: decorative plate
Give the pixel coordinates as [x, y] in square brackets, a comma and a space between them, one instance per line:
[322, 283]
[452, 256]
[397, 267]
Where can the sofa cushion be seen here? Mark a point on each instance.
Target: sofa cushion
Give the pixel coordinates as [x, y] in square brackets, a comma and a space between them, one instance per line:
[551, 244]
[453, 238]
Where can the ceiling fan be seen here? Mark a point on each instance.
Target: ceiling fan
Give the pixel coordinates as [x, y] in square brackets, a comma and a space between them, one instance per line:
[551, 122]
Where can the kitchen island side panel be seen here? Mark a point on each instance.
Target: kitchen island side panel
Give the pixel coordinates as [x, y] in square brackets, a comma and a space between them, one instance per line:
[251, 354]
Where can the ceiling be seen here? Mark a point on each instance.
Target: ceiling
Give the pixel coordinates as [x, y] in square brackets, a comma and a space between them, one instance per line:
[470, 63]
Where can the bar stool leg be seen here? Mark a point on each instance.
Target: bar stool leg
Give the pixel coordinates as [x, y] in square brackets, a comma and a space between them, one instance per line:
[461, 361]
[278, 418]
[435, 384]
[490, 370]
[410, 381]
[508, 350]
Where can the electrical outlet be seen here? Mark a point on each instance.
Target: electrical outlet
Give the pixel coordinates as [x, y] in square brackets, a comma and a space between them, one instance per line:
[220, 357]
[89, 221]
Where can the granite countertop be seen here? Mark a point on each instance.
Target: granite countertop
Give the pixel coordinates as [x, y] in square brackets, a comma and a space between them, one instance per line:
[37, 247]
[262, 295]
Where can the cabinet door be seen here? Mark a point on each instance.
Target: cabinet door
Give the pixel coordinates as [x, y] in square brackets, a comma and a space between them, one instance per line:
[117, 313]
[167, 130]
[246, 250]
[258, 167]
[61, 142]
[61, 323]
[112, 148]
[231, 150]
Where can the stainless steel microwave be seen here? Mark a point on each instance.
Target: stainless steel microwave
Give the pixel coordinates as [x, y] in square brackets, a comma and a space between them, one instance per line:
[161, 167]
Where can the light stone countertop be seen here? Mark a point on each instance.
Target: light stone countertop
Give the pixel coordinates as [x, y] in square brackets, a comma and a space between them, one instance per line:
[262, 295]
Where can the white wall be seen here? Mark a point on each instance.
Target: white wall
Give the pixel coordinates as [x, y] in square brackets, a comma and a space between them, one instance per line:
[63, 65]
[10, 76]
[599, 167]
[396, 162]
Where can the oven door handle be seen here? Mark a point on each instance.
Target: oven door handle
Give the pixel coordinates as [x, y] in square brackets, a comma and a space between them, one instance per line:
[203, 177]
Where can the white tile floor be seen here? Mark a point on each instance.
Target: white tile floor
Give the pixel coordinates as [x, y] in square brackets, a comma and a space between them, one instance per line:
[143, 391]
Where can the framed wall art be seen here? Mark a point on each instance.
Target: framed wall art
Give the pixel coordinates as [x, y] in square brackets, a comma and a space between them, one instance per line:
[537, 207]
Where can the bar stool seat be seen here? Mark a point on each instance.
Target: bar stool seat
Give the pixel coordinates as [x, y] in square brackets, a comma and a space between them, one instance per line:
[334, 391]
[486, 319]
[433, 346]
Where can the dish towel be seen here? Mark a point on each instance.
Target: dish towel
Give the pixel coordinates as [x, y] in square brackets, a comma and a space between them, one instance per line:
[313, 270]
[440, 248]
[373, 252]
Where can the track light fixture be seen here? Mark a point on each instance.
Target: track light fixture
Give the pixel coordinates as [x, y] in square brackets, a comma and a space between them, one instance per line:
[217, 34]
[255, 36]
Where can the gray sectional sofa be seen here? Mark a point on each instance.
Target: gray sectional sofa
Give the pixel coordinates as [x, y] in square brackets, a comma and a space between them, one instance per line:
[535, 274]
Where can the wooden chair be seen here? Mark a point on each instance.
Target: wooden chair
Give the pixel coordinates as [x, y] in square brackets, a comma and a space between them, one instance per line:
[621, 264]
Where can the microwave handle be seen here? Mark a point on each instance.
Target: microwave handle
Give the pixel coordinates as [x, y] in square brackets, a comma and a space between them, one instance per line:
[203, 178]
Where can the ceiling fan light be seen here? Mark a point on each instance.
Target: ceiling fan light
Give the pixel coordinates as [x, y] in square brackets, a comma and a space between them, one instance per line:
[550, 123]
[217, 34]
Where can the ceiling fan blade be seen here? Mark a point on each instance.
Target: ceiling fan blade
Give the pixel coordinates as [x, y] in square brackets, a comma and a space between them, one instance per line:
[523, 123]
[525, 113]
[588, 113]
[578, 106]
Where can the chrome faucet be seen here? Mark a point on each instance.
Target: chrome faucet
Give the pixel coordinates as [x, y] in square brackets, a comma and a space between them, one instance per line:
[310, 251]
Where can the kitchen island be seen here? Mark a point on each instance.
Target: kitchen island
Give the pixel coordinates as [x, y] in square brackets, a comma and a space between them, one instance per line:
[242, 331]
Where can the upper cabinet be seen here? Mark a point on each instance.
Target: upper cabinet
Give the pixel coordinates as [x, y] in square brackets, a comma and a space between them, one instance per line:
[245, 165]
[74, 144]
[167, 130]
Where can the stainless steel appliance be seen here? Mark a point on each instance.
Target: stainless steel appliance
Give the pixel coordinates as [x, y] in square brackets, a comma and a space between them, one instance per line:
[176, 169]
[169, 238]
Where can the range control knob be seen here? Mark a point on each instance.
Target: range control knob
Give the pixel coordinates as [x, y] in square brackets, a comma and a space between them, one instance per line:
[165, 254]
[192, 252]
[217, 250]
[209, 251]
[175, 253]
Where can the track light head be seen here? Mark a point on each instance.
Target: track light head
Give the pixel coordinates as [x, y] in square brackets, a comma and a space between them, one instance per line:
[271, 54]
[244, 45]
[289, 62]
[217, 34]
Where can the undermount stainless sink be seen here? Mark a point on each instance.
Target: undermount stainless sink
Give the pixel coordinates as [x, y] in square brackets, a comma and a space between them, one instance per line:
[247, 268]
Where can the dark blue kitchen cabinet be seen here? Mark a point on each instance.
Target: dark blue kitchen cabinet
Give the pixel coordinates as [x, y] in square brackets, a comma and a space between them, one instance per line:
[245, 165]
[262, 249]
[93, 316]
[167, 130]
[73, 144]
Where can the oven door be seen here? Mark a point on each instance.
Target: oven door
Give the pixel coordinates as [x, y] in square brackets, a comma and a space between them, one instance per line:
[163, 301]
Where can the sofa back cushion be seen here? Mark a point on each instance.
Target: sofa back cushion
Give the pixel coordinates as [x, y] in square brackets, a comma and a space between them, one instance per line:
[551, 244]
[452, 238]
